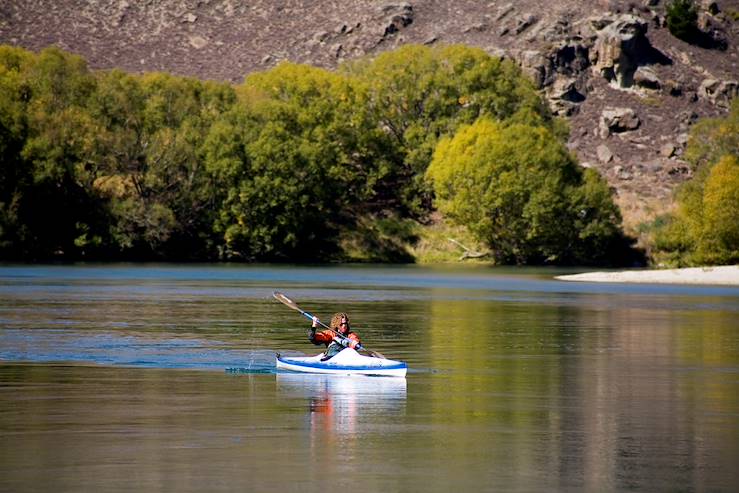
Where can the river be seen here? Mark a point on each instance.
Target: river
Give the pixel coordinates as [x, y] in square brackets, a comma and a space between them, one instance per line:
[152, 377]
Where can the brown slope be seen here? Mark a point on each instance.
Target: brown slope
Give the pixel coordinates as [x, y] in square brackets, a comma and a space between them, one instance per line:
[227, 39]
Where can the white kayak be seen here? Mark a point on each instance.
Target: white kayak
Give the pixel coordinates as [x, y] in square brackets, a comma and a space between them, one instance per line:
[347, 362]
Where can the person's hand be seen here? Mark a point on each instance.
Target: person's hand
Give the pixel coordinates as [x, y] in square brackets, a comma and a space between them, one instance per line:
[315, 322]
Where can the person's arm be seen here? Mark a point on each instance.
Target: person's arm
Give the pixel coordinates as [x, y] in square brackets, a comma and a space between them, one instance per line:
[312, 331]
[323, 337]
[318, 338]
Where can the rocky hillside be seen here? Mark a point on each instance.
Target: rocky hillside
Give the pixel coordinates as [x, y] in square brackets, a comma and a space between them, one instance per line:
[628, 87]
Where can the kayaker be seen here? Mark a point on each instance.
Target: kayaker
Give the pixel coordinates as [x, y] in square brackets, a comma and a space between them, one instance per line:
[335, 343]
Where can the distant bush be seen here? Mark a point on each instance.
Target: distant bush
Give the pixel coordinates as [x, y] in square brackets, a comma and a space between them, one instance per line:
[682, 19]
[704, 230]
[712, 138]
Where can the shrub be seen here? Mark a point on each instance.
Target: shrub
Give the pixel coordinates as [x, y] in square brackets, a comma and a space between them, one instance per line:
[704, 229]
[713, 138]
[682, 19]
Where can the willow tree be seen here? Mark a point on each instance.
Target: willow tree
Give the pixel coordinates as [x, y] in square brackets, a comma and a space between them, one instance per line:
[713, 138]
[49, 162]
[704, 230]
[162, 199]
[15, 175]
[418, 94]
[300, 158]
[520, 191]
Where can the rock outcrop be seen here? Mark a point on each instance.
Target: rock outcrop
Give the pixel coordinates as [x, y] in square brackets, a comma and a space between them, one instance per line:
[397, 18]
[618, 120]
[618, 49]
[719, 93]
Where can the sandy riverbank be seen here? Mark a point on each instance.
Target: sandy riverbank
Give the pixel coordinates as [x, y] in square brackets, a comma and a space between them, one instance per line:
[724, 275]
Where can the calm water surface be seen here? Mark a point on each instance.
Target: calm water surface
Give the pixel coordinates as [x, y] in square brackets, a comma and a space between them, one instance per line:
[154, 377]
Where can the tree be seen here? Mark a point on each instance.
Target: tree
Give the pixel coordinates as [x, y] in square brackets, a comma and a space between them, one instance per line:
[682, 19]
[703, 229]
[597, 221]
[712, 138]
[518, 189]
[720, 239]
[53, 209]
[418, 94]
[301, 159]
[162, 197]
[14, 173]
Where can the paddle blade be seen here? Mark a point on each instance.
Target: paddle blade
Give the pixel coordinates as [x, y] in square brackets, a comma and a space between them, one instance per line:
[287, 301]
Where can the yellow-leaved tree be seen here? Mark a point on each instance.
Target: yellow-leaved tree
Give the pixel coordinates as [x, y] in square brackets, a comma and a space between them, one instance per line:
[518, 189]
[704, 230]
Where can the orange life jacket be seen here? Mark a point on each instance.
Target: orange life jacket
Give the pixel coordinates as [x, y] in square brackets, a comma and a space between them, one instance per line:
[327, 337]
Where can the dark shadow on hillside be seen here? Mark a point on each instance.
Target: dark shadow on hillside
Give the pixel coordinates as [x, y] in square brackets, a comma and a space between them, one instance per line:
[711, 39]
[714, 40]
[649, 55]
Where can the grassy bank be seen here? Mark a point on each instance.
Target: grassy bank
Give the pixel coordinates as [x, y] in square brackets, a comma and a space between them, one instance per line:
[392, 239]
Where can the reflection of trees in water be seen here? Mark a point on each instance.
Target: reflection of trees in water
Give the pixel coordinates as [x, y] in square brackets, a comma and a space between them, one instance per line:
[503, 382]
[644, 379]
[583, 392]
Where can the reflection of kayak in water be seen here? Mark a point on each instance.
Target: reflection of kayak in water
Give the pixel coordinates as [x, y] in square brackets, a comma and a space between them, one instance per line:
[347, 362]
[364, 388]
[345, 404]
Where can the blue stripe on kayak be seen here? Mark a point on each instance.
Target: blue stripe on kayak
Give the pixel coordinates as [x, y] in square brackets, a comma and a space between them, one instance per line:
[341, 367]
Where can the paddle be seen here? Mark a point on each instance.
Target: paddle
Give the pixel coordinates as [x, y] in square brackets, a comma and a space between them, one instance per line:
[287, 301]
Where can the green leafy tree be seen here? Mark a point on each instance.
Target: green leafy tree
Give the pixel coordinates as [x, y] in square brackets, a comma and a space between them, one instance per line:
[15, 175]
[597, 221]
[162, 198]
[712, 138]
[53, 208]
[704, 229]
[418, 94]
[720, 239]
[682, 19]
[301, 157]
[518, 189]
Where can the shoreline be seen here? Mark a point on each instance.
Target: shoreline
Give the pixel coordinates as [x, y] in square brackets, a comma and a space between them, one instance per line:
[727, 275]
